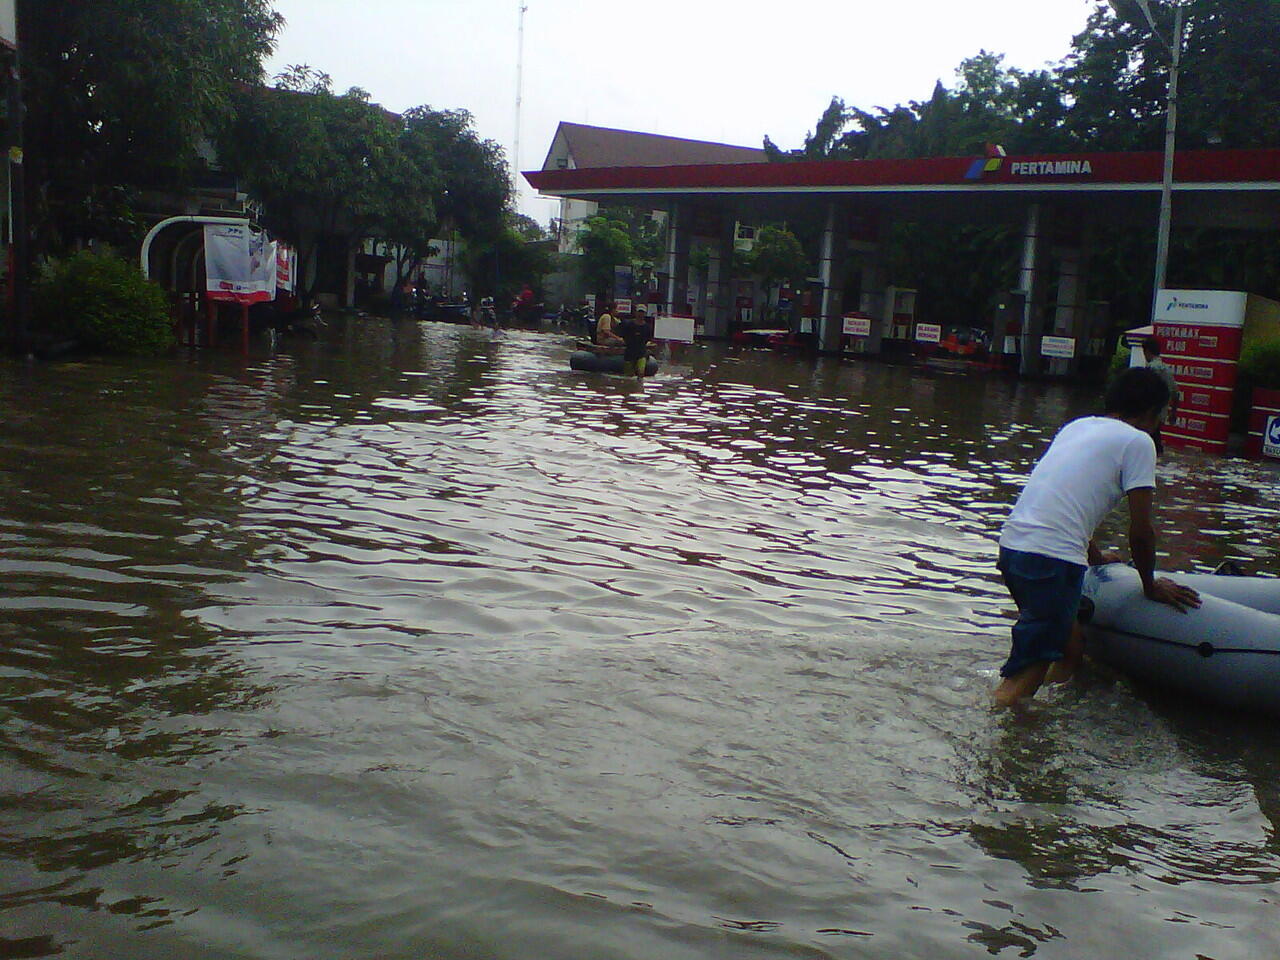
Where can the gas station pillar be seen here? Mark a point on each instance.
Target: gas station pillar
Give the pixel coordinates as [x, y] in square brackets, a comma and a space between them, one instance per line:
[679, 223]
[720, 302]
[835, 242]
[1032, 286]
[1070, 313]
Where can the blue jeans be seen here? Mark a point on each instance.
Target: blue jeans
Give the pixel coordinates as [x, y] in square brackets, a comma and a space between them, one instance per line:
[1047, 592]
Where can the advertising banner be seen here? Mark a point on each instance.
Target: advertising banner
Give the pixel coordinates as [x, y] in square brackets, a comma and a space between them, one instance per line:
[240, 264]
[928, 333]
[622, 307]
[286, 267]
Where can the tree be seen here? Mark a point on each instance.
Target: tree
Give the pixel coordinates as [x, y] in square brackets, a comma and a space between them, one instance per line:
[498, 263]
[120, 95]
[323, 165]
[604, 244]
[777, 256]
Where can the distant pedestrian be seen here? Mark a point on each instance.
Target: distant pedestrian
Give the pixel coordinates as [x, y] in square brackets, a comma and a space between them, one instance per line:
[1151, 350]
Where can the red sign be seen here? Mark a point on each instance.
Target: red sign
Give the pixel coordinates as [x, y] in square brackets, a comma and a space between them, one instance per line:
[1203, 373]
[1203, 342]
[1200, 426]
[1205, 400]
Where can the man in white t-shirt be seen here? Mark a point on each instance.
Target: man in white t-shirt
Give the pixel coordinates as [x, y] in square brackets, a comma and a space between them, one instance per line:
[1047, 542]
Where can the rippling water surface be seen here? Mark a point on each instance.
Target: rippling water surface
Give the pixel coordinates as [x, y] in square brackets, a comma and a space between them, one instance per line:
[414, 644]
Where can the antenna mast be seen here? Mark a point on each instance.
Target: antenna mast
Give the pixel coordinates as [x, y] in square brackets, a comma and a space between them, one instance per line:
[515, 159]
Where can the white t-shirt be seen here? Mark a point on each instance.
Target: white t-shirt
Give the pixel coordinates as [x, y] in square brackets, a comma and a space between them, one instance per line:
[1091, 464]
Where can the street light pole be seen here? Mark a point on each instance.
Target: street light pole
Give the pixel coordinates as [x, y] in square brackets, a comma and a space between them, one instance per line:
[1174, 49]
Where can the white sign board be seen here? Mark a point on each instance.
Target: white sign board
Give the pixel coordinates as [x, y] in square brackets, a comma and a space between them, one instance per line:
[9, 22]
[1061, 348]
[1010, 344]
[1271, 437]
[857, 326]
[622, 307]
[680, 329]
[1217, 308]
[928, 333]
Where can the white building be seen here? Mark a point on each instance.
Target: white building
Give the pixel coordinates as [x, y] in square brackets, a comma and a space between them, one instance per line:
[577, 146]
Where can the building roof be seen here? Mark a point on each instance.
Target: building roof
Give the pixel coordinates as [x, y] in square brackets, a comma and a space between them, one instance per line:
[593, 147]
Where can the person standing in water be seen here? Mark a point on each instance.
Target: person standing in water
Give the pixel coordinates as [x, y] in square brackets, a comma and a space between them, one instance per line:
[1047, 543]
[635, 333]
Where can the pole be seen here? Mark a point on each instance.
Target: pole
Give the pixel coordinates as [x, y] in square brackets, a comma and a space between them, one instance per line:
[1170, 142]
[515, 159]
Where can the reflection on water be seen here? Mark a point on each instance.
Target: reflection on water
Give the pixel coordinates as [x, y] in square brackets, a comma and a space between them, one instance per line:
[414, 643]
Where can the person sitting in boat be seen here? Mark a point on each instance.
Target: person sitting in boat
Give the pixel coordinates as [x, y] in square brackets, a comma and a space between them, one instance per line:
[1047, 543]
[635, 333]
[607, 328]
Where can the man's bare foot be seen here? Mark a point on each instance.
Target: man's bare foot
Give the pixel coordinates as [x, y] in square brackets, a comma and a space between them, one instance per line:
[1021, 685]
[1064, 669]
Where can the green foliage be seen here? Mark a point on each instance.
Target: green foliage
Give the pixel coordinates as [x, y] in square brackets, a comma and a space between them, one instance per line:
[777, 256]
[1260, 364]
[646, 234]
[1120, 361]
[604, 243]
[106, 304]
[499, 263]
[321, 163]
[119, 94]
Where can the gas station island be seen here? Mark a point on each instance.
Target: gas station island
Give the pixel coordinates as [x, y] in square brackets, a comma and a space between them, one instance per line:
[1049, 319]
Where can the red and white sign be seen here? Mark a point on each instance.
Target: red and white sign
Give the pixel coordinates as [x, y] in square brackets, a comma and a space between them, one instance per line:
[286, 267]
[928, 333]
[622, 307]
[857, 325]
[1061, 348]
[1203, 373]
[1193, 340]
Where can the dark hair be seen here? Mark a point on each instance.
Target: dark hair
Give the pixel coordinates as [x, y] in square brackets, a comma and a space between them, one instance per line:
[1152, 344]
[1136, 392]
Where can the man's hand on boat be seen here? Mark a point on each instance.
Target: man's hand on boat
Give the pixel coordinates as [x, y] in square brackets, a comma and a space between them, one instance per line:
[1164, 590]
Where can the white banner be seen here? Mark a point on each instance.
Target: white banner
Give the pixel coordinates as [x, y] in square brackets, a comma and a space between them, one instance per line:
[240, 265]
[680, 329]
[928, 333]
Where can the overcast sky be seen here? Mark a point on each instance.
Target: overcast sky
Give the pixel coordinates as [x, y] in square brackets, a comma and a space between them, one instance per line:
[706, 69]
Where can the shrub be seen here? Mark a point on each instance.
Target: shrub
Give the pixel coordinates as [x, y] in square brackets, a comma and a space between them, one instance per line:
[105, 304]
[1259, 367]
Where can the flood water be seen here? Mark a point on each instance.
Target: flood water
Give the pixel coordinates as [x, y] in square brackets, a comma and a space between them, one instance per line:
[411, 643]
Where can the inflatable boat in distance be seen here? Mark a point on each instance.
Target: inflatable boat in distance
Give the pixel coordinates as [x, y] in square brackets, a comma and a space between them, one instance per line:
[1227, 652]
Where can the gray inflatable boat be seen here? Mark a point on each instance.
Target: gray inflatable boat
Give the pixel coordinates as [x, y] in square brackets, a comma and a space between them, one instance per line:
[1227, 652]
